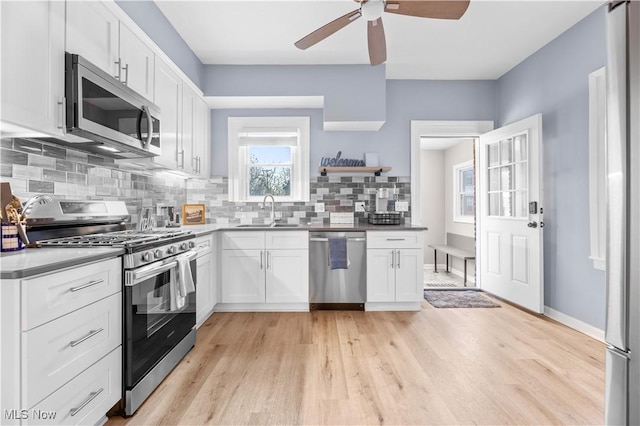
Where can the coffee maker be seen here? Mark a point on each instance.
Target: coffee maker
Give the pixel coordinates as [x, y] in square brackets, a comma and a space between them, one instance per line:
[382, 199]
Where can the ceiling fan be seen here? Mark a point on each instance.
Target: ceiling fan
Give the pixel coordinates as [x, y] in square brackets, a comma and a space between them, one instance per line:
[372, 11]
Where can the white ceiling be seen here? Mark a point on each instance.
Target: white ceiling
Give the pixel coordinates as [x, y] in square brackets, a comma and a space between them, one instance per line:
[490, 39]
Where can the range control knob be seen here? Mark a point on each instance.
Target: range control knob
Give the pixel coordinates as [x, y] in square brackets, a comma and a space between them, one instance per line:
[147, 257]
[192, 244]
[158, 253]
[183, 246]
[172, 250]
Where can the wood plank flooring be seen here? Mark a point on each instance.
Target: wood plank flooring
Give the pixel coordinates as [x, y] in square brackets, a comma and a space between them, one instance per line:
[498, 366]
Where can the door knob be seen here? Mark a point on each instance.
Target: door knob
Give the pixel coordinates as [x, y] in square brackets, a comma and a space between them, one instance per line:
[532, 224]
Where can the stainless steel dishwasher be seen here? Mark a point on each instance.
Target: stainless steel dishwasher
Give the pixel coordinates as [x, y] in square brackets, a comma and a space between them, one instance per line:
[337, 288]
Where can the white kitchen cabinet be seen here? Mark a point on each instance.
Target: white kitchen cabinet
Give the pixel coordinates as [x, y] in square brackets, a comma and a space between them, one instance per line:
[265, 270]
[32, 66]
[186, 161]
[93, 33]
[168, 96]
[137, 63]
[75, 316]
[201, 139]
[394, 270]
[205, 285]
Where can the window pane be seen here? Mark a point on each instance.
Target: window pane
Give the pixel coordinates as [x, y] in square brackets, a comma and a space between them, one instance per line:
[521, 176]
[494, 154]
[520, 147]
[507, 204]
[506, 155]
[494, 179]
[467, 204]
[521, 204]
[269, 154]
[506, 178]
[270, 180]
[466, 181]
[494, 204]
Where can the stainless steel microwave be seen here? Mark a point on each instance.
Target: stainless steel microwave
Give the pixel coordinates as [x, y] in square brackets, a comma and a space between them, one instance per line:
[108, 117]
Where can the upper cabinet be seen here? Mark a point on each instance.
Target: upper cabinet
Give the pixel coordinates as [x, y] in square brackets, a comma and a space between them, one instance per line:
[32, 66]
[168, 96]
[136, 62]
[185, 152]
[95, 33]
[201, 140]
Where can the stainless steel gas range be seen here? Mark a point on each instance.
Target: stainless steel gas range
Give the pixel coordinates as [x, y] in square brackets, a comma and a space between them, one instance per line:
[159, 277]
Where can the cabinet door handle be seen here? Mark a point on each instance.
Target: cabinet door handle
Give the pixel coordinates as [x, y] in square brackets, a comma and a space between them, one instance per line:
[260, 259]
[181, 153]
[119, 64]
[89, 284]
[395, 239]
[393, 259]
[88, 336]
[126, 75]
[268, 256]
[91, 397]
[398, 259]
[61, 108]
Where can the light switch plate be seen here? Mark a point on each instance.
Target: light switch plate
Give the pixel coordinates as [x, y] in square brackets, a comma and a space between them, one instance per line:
[359, 206]
[402, 206]
[319, 207]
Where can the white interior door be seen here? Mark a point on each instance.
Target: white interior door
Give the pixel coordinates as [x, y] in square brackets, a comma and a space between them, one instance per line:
[510, 211]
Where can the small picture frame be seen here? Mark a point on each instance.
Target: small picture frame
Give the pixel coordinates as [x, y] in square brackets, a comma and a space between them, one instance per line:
[371, 159]
[193, 214]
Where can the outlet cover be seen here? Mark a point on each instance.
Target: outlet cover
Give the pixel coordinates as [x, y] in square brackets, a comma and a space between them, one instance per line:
[319, 207]
[402, 206]
[359, 206]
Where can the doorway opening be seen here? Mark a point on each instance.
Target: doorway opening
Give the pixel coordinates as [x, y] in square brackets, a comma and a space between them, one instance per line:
[430, 133]
[448, 194]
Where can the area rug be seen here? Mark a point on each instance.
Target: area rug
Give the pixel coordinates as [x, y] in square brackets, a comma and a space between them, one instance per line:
[458, 299]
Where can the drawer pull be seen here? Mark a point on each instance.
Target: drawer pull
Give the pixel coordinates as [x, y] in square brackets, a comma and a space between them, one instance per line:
[91, 334]
[91, 397]
[89, 284]
[395, 239]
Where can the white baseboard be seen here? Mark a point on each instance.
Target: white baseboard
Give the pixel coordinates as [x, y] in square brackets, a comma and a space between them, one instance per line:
[470, 278]
[574, 323]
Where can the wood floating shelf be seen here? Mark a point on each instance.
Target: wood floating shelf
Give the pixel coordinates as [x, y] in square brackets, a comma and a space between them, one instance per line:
[375, 170]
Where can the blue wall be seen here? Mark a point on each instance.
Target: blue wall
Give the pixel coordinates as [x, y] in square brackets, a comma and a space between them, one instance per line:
[406, 100]
[153, 22]
[554, 82]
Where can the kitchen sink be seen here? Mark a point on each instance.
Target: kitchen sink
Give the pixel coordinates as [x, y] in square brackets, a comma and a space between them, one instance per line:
[262, 225]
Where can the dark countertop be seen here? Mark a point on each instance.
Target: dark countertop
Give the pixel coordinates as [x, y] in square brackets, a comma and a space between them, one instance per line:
[200, 230]
[35, 261]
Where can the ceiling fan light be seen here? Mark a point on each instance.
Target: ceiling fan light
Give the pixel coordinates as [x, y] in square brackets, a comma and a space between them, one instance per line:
[372, 10]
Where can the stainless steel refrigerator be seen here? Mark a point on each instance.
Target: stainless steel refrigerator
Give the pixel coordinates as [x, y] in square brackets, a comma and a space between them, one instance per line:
[622, 332]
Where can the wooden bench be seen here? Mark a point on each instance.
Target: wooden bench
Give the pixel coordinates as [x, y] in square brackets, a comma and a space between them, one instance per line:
[450, 250]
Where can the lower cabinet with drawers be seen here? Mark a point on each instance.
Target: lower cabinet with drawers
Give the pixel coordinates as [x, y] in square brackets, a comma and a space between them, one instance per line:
[61, 359]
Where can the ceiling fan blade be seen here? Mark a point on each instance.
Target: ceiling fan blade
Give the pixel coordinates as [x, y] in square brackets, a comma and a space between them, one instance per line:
[440, 9]
[377, 43]
[326, 30]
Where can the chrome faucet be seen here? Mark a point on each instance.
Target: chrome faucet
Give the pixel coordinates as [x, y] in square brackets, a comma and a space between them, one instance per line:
[273, 208]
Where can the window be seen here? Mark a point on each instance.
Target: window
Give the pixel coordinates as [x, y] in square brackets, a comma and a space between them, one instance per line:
[464, 206]
[269, 155]
[507, 168]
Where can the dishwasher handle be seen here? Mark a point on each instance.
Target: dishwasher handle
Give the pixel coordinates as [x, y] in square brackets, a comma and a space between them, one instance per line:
[324, 240]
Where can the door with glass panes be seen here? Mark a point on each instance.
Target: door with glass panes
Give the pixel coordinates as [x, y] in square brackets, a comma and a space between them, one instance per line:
[510, 210]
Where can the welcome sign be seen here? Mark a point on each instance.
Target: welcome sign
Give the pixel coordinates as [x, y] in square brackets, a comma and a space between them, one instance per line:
[340, 162]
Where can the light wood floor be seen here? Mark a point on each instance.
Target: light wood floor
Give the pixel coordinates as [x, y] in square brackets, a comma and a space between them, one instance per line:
[497, 366]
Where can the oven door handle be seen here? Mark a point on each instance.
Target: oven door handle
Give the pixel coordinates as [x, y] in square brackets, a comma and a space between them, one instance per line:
[141, 274]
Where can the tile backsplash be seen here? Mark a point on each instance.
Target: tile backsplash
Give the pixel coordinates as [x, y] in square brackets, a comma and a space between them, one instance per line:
[33, 167]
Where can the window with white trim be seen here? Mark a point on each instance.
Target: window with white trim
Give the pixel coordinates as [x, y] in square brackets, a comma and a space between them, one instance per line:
[269, 155]
[464, 199]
